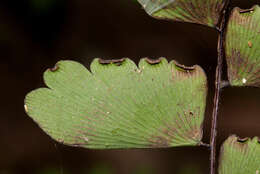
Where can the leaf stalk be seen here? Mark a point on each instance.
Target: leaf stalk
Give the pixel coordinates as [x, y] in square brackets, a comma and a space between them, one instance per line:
[218, 86]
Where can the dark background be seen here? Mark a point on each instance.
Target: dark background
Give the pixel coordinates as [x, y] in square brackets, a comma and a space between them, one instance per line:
[35, 34]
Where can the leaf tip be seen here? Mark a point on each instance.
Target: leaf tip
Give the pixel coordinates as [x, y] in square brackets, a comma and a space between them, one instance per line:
[242, 40]
[55, 68]
[184, 68]
[147, 62]
[250, 10]
[111, 61]
[242, 140]
[245, 140]
[257, 139]
[153, 61]
[195, 69]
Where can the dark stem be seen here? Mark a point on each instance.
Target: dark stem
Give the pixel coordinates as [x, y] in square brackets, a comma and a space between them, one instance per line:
[218, 87]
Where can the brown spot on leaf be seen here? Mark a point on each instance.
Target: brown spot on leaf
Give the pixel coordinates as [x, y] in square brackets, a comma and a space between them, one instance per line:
[240, 67]
[166, 131]
[250, 44]
[153, 61]
[159, 141]
[115, 61]
[195, 133]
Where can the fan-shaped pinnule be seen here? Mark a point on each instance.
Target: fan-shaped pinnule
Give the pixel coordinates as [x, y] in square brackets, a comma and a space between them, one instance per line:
[120, 105]
[243, 47]
[240, 156]
[205, 12]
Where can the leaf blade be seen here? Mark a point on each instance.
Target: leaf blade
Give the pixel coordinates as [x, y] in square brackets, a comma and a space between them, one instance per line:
[242, 47]
[205, 12]
[120, 105]
[239, 156]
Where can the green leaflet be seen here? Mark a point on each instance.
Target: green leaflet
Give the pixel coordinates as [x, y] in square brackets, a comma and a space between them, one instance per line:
[243, 47]
[205, 12]
[240, 156]
[120, 105]
[152, 6]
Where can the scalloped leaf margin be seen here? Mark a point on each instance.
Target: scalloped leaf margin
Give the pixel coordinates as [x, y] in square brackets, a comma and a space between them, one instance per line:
[119, 105]
[240, 156]
[205, 12]
[243, 47]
